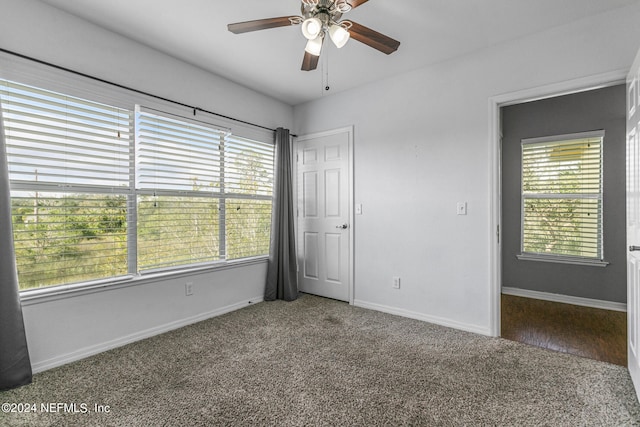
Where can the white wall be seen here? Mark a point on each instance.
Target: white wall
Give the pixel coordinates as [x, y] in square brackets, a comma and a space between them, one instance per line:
[422, 144]
[65, 328]
[60, 330]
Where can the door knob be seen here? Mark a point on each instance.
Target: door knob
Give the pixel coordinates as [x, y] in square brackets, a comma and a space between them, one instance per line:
[634, 248]
[343, 226]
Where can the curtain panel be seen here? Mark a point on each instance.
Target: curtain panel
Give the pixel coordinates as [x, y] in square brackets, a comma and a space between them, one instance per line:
[282, 279]
[15, 365]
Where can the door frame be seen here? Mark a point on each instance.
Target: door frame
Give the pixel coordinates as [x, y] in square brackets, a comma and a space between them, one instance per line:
[349, 130]
[495, 167]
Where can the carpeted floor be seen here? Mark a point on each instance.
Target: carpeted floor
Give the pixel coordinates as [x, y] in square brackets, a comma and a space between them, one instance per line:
[318, 362]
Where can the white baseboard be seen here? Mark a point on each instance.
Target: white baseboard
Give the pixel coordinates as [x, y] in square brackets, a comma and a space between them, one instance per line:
[128, 339]
[424, 317]
[566, 299]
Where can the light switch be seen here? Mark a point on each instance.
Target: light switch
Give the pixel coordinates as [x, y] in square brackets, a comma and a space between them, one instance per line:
[462, 208]
[358, 208]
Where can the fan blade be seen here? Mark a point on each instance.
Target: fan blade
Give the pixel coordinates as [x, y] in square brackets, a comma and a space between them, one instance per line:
[356, 3]
[310, 62]
[262, 24]
[372, 38]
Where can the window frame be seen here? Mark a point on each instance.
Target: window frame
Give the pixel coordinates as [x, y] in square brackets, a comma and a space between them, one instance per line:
[597, 261]
[69, 83]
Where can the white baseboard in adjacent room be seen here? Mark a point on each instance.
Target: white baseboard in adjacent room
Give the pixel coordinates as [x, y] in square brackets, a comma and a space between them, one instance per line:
[566, 299]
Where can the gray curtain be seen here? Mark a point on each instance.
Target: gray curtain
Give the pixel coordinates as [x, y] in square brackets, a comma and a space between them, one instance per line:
[282, 279]
[15, 366]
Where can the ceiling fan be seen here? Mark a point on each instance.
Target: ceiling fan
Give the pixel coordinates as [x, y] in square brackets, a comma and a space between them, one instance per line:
[319, 18]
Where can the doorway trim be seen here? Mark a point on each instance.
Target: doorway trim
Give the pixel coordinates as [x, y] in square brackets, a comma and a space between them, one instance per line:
[349, 130]
[495, 167]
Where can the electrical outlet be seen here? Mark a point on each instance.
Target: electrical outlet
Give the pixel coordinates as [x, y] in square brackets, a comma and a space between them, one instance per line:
[396, 283]
[462, 208]
[188, 288]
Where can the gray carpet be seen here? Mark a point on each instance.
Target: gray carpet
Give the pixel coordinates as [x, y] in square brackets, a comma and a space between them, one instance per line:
[317, 362]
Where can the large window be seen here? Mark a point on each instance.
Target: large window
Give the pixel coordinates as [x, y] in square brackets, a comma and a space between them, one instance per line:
[562, 198]
[100, 192]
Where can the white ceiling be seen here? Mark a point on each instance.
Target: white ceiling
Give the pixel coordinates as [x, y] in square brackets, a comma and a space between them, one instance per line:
[269, 61]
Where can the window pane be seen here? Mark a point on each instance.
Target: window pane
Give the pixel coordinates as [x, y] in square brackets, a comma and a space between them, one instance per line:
[562, 227]
[248, 166]
[248, 225]
[562, 167]
[64, 238]
[176, 231]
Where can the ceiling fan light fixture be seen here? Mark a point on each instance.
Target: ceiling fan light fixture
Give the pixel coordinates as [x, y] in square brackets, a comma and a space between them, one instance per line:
[339, 36]
[311, 28]
[314, 47]
[318, 19]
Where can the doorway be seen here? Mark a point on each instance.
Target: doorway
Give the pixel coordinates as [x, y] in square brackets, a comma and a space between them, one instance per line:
[560, 283]
[324, 183]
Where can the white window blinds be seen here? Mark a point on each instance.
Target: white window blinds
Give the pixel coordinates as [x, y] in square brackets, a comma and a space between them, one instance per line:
[69, 162]
[176, 154]
[248, 187]
[249, 166]
[65, 141]
[203, 194]
[562, 196]
[100, 191]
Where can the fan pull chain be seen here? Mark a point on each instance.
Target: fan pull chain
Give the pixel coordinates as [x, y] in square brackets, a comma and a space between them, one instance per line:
[325, 66]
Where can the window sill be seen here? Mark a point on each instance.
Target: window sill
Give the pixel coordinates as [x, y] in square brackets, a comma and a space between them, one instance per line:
[562, 260]
[42, 295]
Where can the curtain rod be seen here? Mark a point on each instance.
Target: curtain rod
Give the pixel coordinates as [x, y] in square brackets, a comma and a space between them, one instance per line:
[78, 73]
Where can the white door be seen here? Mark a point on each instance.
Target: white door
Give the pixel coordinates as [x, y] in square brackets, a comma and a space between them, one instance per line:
[323, 177]
[633, 220]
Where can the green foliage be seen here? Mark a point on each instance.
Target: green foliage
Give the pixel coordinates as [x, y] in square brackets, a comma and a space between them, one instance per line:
[177, 231]
[65, 238]
[68, 238]
[248, 227]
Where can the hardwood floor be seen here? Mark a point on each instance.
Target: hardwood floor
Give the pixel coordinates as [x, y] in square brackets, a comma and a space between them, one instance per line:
[583, 331]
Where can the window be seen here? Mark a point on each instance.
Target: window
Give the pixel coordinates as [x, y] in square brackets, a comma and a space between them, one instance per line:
[562, 198]
[203, 194]
[69, 171]
[100, 192]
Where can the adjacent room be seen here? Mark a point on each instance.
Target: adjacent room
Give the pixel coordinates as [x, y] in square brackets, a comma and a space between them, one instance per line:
[319, 212]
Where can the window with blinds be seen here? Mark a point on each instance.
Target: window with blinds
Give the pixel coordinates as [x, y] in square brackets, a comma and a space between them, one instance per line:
[203, 194]
[562, 196]
[248, 184]
[69, 165]
[179, 167]
[100, 192]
